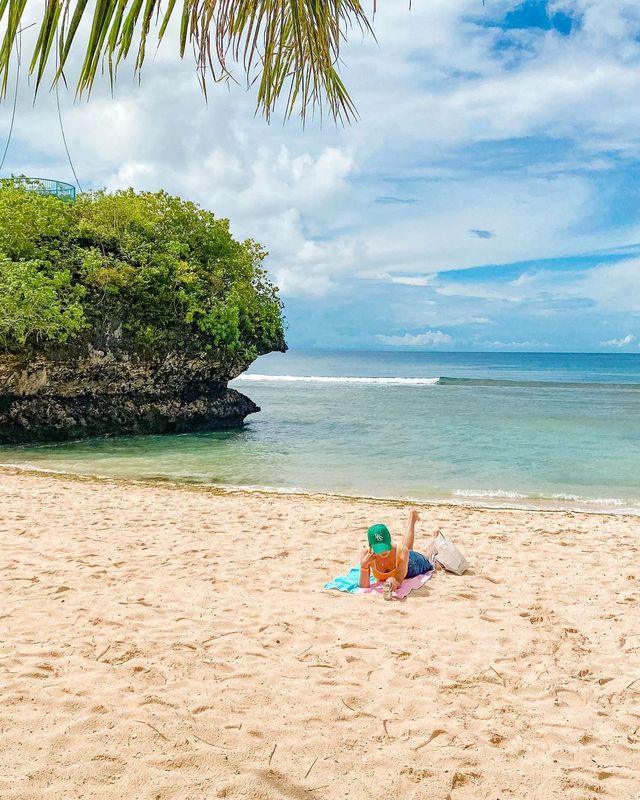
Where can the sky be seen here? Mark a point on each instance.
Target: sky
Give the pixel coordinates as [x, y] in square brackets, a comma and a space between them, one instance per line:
[488, 197]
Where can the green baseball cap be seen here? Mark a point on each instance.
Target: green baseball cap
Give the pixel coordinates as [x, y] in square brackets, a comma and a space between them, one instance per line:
[379, 538]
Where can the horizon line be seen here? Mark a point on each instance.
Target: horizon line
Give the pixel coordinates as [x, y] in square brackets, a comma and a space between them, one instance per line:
[335, 349]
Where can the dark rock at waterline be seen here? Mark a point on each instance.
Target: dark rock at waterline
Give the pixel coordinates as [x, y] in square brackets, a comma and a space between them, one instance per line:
[101, 392]
[56, 419]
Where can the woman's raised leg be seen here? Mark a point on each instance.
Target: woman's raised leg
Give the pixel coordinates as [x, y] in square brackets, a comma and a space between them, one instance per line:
[409, 536]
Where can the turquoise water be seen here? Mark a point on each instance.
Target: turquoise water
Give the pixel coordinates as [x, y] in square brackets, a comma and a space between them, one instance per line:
[517, 429]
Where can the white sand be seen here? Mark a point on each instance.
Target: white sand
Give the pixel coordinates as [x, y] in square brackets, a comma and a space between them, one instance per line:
[166, 643]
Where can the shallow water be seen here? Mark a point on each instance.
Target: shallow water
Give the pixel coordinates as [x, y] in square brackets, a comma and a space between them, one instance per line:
[534, 430]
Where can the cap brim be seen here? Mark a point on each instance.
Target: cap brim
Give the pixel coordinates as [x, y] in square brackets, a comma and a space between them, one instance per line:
[383, 547]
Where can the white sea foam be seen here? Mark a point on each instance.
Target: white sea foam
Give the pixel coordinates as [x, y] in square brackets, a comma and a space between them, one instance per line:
[594, 501]
[336, 379]
[500, 494]
[490, 493]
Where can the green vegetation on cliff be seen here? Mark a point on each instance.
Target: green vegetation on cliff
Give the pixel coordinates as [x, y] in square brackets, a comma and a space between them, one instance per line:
[149, 270]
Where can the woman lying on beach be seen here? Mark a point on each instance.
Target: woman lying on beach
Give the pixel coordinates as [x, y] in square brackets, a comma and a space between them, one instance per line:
[389, 562]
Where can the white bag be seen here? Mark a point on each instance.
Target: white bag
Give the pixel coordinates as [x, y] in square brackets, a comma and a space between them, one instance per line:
[448, 555]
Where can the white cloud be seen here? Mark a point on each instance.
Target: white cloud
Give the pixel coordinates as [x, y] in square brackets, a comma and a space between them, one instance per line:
[415, 340]
[400, 280]
[611, 288]
[412, 280]
[626, 340]
[527, 345]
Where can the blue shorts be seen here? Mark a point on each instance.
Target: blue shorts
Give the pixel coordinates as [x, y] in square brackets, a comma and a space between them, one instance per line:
[418, 564]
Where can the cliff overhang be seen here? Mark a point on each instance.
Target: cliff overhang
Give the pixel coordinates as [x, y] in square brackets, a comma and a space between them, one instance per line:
[98, 392]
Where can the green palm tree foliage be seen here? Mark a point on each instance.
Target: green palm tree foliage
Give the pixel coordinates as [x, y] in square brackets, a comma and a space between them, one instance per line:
[290, 48]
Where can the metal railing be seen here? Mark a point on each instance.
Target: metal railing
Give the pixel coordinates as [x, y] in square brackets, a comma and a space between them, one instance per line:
[44, 186]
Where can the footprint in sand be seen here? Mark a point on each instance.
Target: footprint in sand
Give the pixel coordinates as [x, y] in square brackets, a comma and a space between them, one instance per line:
[584, 673]
[416, 775]
[464, 778]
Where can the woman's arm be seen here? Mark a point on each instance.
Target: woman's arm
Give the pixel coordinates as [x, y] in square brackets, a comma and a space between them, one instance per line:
[366, 559]
[400, 572]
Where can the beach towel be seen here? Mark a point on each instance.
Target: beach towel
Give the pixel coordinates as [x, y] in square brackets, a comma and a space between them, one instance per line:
[351, 583]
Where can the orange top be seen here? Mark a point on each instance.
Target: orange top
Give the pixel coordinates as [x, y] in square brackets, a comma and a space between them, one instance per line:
[382, 576]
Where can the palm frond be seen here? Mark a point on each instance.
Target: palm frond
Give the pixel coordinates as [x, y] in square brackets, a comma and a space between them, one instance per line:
[288, 48]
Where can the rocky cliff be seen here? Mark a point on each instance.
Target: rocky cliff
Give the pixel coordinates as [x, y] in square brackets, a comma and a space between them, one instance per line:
[99, 392]
[126, 313]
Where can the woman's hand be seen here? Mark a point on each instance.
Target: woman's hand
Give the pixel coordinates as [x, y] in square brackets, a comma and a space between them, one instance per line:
[366, 558]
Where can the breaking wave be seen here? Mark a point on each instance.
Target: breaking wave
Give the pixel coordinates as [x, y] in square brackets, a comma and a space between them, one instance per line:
[337, 379]
[443, 380]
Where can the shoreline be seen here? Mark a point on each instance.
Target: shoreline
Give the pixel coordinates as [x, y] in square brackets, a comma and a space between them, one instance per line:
[223, 489]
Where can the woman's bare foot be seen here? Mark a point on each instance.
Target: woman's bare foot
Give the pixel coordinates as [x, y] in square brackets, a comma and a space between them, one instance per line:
[387, 589]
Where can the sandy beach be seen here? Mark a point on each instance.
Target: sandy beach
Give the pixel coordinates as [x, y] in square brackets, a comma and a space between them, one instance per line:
[160, 642]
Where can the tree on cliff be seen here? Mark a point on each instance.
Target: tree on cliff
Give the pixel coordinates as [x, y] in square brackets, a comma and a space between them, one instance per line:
[288, 47]
[147, 271]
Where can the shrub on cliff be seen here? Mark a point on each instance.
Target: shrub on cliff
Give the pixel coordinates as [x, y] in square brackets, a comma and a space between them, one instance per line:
[154, 272]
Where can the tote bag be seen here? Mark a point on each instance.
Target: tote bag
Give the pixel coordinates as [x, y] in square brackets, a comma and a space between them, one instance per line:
[448, 555]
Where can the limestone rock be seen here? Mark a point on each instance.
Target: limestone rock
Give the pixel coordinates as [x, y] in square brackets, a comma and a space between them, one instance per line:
[97, 392]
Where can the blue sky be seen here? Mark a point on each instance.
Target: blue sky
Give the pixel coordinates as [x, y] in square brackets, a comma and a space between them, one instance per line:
[488, 198]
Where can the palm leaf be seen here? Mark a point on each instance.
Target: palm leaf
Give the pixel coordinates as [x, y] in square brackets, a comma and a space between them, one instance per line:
[290, 49]
[11, 15]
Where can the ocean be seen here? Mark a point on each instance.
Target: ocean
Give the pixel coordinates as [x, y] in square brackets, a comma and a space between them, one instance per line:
[524, 430]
